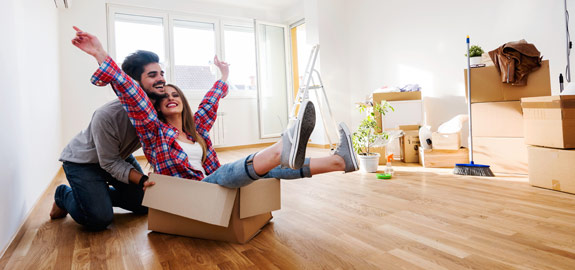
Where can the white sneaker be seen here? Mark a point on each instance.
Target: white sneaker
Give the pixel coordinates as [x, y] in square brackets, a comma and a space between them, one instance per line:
[295, 138]
[345, 149]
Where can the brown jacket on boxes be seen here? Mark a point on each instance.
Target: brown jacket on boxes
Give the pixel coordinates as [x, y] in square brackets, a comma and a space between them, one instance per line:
[515, 60]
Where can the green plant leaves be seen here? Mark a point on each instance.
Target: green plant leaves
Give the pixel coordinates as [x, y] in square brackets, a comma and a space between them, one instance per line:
[475, 51]
[365, 136]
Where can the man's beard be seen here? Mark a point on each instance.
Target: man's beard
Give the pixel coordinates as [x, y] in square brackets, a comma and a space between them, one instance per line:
[156, 96]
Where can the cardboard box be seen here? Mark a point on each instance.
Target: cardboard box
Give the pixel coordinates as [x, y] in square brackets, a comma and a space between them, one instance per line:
[552, 168]
[409, 145]
[382, 154]
[433, 158]
[392, 119]
[486, 85]
[409, 127]
[497, 119]
[504, 155]
[209, 211]
[442, 141]
[395, 96]
[549, 121]
[408, 112]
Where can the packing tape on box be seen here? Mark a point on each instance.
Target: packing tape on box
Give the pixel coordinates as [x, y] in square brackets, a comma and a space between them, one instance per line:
[555, 185]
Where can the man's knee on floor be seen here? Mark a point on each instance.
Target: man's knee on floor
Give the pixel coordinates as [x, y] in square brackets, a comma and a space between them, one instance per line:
[99, 221]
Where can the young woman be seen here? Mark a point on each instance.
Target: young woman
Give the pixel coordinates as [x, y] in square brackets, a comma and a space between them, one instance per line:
[178, 144]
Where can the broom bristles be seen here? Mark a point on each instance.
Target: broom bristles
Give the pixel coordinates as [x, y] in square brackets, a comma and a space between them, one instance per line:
[473, 169]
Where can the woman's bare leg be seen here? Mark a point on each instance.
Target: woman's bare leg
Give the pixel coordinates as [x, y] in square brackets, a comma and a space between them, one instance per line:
[332, 163]
[268, 158]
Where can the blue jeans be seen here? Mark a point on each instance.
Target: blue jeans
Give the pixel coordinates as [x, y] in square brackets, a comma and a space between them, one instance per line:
[241, 173]
[91, 198]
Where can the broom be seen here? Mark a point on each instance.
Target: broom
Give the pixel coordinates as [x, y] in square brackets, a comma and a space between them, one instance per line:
[471, 168]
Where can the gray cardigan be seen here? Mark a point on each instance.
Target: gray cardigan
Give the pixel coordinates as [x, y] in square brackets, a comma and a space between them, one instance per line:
[108, 140]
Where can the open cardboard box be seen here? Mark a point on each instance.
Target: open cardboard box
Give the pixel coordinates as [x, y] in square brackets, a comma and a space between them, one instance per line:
[210, 211]
[409, 143]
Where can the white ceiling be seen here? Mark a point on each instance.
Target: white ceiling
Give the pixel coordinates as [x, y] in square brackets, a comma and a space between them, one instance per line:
[263, 4]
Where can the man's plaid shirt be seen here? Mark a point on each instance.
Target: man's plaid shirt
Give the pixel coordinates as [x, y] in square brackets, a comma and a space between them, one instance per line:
[159, 138]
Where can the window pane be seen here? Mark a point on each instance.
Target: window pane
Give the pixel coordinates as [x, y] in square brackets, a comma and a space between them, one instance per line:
[194, 50]
[273, 88]
[240, 51]
[138, 33]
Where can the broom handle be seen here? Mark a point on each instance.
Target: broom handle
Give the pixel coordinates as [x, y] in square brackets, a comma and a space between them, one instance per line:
[469, 103]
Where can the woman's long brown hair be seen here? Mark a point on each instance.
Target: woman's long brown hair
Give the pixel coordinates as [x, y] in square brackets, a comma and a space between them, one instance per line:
[188, 123]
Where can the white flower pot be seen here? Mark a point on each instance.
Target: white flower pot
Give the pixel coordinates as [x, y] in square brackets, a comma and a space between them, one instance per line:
[369, 163]
[476, 60]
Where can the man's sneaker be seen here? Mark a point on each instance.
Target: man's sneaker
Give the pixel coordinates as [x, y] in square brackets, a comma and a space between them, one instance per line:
[345, 149]
[295, 138]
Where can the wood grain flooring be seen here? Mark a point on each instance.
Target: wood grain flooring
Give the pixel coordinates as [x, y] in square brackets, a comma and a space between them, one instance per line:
[421, 219]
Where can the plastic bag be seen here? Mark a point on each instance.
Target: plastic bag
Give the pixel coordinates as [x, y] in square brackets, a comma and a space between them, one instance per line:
[454, 125]
[425, 137]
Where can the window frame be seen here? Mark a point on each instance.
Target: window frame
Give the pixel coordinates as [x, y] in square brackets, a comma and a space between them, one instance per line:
[288, 74]
[168, 25]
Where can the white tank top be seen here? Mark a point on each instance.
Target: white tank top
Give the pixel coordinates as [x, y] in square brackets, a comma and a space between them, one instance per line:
[195, 153]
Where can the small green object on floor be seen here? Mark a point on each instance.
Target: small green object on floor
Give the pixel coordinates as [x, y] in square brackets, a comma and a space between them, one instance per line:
[383, 176]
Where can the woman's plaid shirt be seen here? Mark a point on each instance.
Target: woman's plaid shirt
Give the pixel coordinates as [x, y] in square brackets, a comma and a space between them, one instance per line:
[159, 138]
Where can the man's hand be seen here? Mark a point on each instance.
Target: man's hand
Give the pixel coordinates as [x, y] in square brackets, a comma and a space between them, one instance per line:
[89, 44]
[148, 184]
[224, 68]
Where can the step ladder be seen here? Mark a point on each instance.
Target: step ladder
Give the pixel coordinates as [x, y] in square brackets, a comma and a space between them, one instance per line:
[312, 80]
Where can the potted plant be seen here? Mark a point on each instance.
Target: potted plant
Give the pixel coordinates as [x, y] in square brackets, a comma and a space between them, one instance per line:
[366, 137]
[475, 53]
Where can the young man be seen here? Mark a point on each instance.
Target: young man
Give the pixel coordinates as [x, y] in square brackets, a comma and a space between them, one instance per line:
[98, 162]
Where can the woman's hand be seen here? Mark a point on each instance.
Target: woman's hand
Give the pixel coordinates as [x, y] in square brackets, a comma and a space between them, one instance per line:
[224, 68]
[89, 44]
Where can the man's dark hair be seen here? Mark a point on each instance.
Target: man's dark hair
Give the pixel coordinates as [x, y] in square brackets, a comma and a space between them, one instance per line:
[134, 64]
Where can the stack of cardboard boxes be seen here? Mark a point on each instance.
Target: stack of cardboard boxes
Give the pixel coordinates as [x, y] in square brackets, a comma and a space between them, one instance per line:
[407, 116]
[550, 132]
[497, 122]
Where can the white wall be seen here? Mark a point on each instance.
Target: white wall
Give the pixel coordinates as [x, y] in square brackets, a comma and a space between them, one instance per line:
[30, 121]
[415, 41]
[327, 24]
[80, 98]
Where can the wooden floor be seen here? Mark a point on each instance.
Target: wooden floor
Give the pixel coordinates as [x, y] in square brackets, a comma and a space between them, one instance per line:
[421, 219]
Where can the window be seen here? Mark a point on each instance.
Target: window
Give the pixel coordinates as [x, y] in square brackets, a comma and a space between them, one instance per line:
[273, 91]
[134, 32]
[240, 49]
[194, 50]
[187, 44]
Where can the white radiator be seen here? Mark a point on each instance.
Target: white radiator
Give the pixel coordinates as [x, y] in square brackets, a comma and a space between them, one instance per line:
[217, 132]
